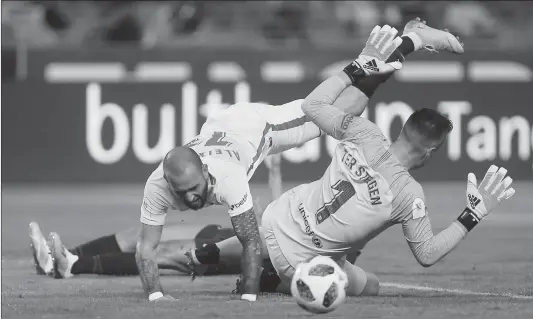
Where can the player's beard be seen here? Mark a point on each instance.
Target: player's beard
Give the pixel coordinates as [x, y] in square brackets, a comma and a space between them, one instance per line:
[199, 202]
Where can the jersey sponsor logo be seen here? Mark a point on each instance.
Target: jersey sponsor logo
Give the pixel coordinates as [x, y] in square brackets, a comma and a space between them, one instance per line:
[473, 200]
[362, 174]
[419, 208]
[314, 238]
[240, 203]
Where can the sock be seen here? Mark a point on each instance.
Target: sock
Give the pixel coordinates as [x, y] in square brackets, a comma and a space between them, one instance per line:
[414, 39]
[121, 264]
[407, 46]
[208, 254]
[99, 246]
[269, 280]
[369, 85]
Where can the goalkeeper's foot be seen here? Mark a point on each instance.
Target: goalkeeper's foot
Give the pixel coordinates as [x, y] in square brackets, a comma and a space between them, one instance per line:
[426, 37]
[63, 259]
[42, 256]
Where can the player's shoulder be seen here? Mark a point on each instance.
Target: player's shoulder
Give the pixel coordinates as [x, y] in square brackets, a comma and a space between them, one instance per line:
[414, 186]
[156, 189]
[409, 200]
[361, 129]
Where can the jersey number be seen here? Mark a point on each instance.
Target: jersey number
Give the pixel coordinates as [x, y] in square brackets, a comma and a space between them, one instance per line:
[345, 191]
[217, 140]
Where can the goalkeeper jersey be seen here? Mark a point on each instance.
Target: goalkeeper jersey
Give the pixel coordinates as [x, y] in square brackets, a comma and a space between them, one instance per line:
[364, 191]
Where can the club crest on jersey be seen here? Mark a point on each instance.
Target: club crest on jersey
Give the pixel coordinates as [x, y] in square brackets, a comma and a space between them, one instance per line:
[314, 238]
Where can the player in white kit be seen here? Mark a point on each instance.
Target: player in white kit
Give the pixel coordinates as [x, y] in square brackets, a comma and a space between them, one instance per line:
[214, 169]
[367, 187]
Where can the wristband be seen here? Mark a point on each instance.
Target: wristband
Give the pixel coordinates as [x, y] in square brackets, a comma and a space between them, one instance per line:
[468, 219]
[155, 295]
[249, 297]
[354, 71]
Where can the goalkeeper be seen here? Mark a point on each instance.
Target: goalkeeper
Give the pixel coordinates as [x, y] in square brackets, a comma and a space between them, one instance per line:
[367, 187]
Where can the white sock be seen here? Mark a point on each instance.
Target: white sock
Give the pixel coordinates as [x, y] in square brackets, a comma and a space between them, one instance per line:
[415, 38]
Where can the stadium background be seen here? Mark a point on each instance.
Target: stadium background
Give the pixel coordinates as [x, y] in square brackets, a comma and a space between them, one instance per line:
[95, 92]
[101, 90]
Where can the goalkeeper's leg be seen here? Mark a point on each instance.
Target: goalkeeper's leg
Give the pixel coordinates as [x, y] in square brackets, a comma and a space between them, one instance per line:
[360, 282]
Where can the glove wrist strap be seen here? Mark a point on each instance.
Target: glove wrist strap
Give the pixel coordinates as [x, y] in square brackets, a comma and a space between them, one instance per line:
[468, 219]
[355, 72]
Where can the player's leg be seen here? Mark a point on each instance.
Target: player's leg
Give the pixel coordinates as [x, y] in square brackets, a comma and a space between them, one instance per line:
[123, 263]
[417, 35]
[125, 241]
[225, 252]
[360, 283]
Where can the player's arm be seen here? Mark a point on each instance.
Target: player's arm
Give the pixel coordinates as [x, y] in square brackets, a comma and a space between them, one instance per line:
[146, 261]
[243, 218]
[153, 213]
[427, 247]
[481, 201]
[319, 104]
[273, 163]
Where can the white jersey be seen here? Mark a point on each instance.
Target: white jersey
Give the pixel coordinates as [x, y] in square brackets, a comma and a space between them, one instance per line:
[233, 143]
[364, 191]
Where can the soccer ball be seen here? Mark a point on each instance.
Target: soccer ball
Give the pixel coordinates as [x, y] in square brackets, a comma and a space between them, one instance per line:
[319, 285]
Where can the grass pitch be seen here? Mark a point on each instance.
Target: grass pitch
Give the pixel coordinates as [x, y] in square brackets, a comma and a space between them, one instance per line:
[490, 275]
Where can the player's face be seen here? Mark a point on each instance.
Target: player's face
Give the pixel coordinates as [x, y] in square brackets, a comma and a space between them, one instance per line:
[192, 191]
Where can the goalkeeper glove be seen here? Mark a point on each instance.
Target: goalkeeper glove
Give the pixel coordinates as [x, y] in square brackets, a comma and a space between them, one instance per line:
[483, 200]
[381, 43]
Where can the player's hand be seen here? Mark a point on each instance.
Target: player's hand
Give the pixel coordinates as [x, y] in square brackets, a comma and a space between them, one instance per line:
[493, 190]
[165, 298]
[381, 43]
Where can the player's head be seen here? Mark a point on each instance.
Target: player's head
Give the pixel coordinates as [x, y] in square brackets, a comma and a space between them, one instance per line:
[186, 176]
[424, 132]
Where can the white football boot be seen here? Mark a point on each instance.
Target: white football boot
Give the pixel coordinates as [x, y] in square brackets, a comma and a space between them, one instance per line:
[42, 256]
[62, 258]
[435, 40]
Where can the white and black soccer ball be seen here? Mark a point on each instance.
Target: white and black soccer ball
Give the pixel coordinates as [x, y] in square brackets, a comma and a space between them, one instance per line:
[318, 286]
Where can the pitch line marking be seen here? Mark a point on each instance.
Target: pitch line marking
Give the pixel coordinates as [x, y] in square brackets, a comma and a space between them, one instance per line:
[454, 291]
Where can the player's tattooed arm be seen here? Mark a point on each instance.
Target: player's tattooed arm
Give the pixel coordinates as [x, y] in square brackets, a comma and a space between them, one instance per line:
[247, 231]
[145, 257]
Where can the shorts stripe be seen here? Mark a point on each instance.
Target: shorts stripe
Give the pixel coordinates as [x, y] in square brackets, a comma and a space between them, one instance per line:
[260, 148]
[276, 127]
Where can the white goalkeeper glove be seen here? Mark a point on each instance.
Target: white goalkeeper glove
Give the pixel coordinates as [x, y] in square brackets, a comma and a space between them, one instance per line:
[483, 200]
[381, 43]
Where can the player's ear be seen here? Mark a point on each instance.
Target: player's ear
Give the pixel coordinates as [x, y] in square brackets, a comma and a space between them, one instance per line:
[429, 152]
